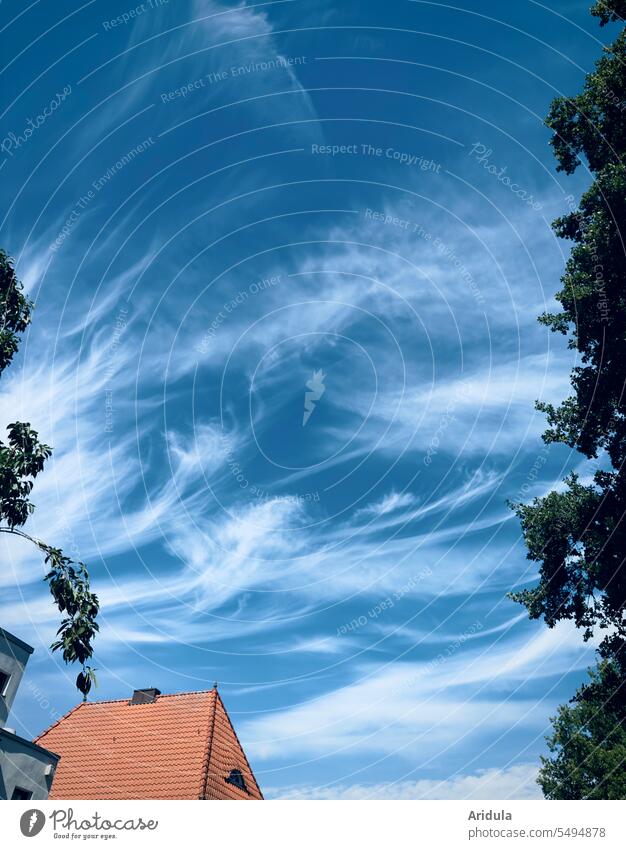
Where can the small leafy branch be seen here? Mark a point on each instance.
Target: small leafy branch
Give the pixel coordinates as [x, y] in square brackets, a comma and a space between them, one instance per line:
[22, 458]
[69, 586]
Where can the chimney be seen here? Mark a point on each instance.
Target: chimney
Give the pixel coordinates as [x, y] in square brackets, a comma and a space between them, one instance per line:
[145, 696]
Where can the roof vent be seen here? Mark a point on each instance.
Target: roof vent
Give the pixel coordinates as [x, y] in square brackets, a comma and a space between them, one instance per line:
[145, 696]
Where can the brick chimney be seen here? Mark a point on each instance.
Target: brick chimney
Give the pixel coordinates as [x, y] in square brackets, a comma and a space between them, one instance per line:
[145, 696]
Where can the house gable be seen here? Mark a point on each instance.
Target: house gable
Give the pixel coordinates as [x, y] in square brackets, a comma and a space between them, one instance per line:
[180, 746]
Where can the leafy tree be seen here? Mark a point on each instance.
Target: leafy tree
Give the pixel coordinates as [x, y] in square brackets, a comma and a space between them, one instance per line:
[22, 458]
[578, 534]
[588, 744]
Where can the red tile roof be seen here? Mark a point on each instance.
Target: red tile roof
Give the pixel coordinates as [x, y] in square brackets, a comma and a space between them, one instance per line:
[180, 746]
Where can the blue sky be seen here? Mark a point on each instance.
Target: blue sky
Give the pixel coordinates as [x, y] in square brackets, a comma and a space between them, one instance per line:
[214, 206]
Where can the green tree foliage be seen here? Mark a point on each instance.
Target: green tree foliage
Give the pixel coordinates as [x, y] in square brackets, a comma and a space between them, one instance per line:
[588, 744]
[577, 535]
[609, 10]
[22, 458]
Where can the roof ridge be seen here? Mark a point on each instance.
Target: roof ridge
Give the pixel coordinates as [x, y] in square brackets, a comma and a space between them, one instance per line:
[206, 765]
[158, 698]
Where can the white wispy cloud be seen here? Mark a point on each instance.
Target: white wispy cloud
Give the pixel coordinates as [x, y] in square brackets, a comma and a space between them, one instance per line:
[405, 708]
[388, 504]
[513, 782]
[443, 312]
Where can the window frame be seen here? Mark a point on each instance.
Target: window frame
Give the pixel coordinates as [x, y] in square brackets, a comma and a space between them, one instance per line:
[4, 687]
[236, 778]
[24, 794]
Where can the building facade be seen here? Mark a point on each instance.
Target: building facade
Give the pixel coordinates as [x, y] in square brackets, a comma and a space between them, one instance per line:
[26, 769]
